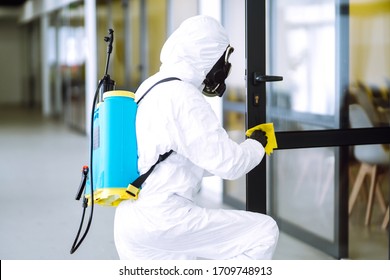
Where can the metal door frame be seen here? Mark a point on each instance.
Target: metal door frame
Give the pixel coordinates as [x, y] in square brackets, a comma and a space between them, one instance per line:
[255, 20]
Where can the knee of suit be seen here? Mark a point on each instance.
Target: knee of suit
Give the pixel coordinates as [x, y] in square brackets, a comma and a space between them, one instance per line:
[273, 229]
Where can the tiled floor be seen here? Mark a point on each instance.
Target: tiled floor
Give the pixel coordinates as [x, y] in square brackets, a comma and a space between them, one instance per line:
[40, 169]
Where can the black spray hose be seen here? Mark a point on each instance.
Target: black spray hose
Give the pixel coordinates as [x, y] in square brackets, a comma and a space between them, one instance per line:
[108, 84]
[76, 243]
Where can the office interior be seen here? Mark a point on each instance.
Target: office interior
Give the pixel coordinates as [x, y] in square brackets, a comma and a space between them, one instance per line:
[334, 56]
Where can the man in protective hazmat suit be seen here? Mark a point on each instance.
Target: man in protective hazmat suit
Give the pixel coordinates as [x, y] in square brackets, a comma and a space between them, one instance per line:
[165, 223]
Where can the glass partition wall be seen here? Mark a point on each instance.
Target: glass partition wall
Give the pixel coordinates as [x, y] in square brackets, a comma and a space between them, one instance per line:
[234, 111]
[140, 31]
[335, 59]
[135, 54]
[69, 39]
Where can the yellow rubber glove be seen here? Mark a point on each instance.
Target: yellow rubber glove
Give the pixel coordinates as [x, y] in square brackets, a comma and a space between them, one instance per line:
[268, 128]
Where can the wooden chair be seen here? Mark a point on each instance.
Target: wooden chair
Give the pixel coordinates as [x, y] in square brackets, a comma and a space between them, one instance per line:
[372, 158]
[386, 219]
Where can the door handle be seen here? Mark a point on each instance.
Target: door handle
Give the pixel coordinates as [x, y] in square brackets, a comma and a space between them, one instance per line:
[258, 78]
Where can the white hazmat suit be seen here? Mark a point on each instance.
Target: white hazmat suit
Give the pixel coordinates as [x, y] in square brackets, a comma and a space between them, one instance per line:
[165, 223]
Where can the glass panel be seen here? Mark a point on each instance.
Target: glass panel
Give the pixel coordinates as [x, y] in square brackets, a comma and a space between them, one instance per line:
[132, 21]
[111, 14]
[368, 165]
[370, 59]
[303, 185]
[71, 58]
[335, 59]
[369, 107]
[156, 11]
[303, 51]
[34, 64]
[234, 98]
[234, 190]
[105, 11]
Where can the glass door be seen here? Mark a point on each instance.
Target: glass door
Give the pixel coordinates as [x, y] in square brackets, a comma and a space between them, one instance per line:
[312, 45]
[305, 37]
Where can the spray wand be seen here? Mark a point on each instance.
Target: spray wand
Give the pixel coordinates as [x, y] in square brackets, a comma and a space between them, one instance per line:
[108, 84]
[105, 84]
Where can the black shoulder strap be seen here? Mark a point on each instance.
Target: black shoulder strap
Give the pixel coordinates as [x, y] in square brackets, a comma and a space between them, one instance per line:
[159, 82]
[141, 179]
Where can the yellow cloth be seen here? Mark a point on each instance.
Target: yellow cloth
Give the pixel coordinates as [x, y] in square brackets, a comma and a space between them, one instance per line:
[268, 128]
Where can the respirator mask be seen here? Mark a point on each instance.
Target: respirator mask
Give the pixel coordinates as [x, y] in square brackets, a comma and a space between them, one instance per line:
[214, 84]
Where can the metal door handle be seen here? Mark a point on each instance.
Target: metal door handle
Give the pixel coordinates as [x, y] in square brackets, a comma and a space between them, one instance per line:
[258, 78]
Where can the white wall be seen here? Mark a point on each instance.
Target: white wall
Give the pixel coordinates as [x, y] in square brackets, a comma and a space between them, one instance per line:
[178, 11]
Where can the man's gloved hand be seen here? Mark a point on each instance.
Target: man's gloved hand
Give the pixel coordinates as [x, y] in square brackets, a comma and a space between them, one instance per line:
[260, 136]
[265, 134]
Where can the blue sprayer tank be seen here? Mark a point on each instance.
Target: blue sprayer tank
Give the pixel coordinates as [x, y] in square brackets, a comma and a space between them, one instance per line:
[115, 160]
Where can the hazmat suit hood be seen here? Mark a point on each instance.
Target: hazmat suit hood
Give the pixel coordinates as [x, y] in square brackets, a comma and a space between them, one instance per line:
[193, 49]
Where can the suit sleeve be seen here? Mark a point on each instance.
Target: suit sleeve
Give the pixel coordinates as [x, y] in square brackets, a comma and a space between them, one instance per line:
[199, 136]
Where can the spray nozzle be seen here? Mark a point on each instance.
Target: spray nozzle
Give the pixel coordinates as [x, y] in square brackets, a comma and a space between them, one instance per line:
[107, 84]
[84, 176]
[109, 39]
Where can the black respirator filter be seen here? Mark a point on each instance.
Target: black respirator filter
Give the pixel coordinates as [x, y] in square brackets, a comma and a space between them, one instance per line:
[214, 84]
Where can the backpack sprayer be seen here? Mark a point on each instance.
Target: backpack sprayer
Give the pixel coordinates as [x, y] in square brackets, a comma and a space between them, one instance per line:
[113, 148]
[114, 174]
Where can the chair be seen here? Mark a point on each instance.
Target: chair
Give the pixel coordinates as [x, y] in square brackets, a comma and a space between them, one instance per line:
[386, 219]
[377, 111]
[373, 159]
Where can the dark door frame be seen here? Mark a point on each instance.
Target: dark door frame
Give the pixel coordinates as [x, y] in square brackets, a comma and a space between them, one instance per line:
[255, 20]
